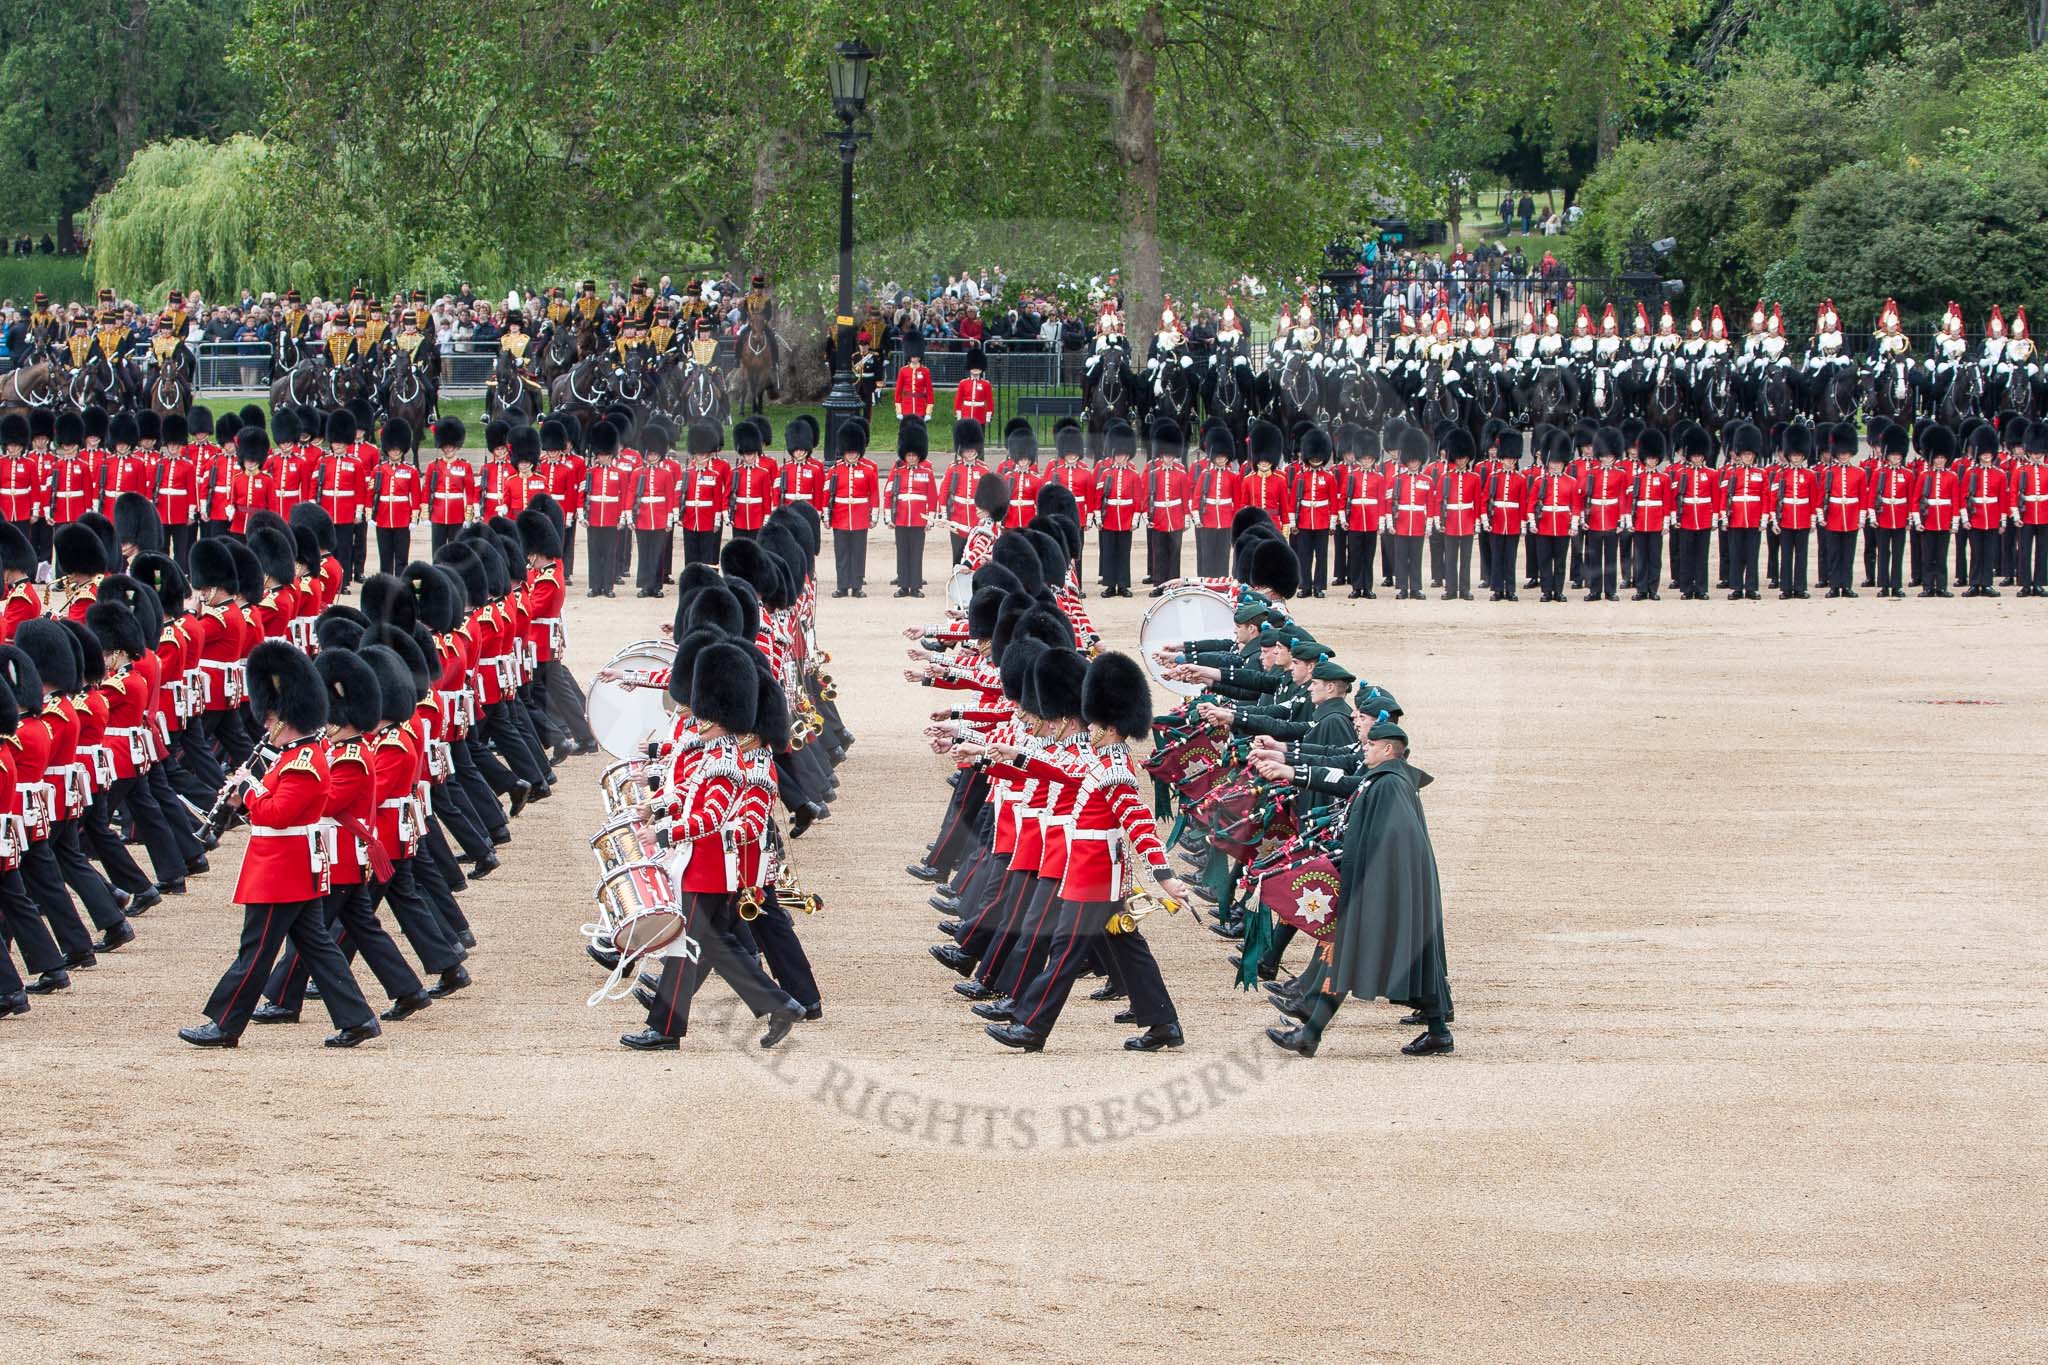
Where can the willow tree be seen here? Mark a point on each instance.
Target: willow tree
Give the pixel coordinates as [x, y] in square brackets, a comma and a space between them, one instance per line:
[187, 215]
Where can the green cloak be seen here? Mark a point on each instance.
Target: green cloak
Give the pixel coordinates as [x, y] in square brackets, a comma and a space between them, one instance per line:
[1390, 933]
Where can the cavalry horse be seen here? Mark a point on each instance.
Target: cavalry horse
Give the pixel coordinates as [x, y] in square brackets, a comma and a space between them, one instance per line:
[1172, 395]
[1665, 404]
[584, 391]
[170, 389]
[689, 391]
[1889, 390]
[1227, 393]
[409, 394]
[98, 383]
[756, 365]
[1964, 396]
[32, 386]
[1297, 393]
[1835, 395]
[509, 396]
[1107, 392]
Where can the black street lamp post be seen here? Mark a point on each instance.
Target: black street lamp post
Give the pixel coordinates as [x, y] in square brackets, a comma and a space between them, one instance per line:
[849, 99]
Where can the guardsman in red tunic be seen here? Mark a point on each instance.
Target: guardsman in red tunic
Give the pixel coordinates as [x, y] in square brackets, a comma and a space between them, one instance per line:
[1169, 499]
[1605, 487]
[1411, 507]
[177, 488]
[1795, 507]
[564, 470]
[1893, 488]
[1504, 494]
[71, 478]
[1263, 485]
[2028, 481]
[451, 486]
[123, 469]
[1120, 493]
[1216, 503]
[291, 465]
[1699, 510]
[1652, 501]
[340, 487]
[249, 489]
[1556, 506]
[1026, 478]
[801, 477]
[1316, 491]
[705, 496]
[19, 600]
[913, 382]
[1937, 507]
[1987, 501]
[656, 507]
[395, 497]
[752, 484]
[21, 492]
[974, 400]
[852, 502]
[1365, 508]
[1072, 473]
[1746, 500]
[607, 496]
[963, 476]
[911, 497]
[285, 872]
[1845, 509]
[497, 465]
[1460, 501]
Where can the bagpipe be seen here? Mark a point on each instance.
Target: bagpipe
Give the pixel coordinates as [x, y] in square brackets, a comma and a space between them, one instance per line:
[1297, 880]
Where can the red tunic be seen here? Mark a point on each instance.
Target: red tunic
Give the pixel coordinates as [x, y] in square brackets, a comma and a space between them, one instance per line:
[452, 492]
[342, 490]
[1745, 497]
[1169, 491]
[913, 391]
[1120, 494]
[657, 496]
[177, 487]
[22, 603]
[1938, 500]
[248, 491]
[1411, 503]
[71, 490]
[911, 494]
[280, 866]
[118, 474]
[1797, 498]
[607, 490]
[704, 495]
[1845, 497]
[1271, 492]
[1461, 501]
[1699, 498]
[1507, 500]
[852, 494]
[1025, 481]
[1891, 496]
[801, 480]
[1986, 499]
[1555, 502]
[21, 492]
[975, 399]
[753, 495]
[956, 494]
[1606, 494]
[395, 495]
[1216, 494]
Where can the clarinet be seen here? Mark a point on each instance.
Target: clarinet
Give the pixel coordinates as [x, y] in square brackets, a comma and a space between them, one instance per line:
[222, 815]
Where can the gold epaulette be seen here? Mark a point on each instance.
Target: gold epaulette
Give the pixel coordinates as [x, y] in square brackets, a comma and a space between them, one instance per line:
[351, 751]
[302, 762]
[390, 737]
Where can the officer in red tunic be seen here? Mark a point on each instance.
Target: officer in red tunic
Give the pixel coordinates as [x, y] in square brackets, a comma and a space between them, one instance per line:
[1120, 493]
[1937, 507]
[123, 469]
[852, 503]
[21, 491]
[1317, 492]
[340, 487]
[607, 494]
[1169, 494]
[175, 489]
[451, 487]
[2028, 482]
[913, 382]
[752, 482]
[974, 399]
[1746, 499]
[249, 489]
[71, 478]
[395, 497]
[911, 498]
[285, 873]
[1216, 503]
[1795, 507]
[1892, 498]
[291, 464]
[1556, 505]
[1025, 477]
[656, 506]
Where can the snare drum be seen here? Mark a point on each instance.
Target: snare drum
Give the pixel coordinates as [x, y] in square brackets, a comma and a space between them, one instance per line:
[624, 839]
[624, 784]
[960, 588]
[638, 918]
[1190, 613]
[625, 717]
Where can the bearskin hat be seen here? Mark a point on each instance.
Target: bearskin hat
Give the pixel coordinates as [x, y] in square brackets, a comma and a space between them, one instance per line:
[15, 551]
[13, 429]
[248, 572]
[1020, 443]
[814, 527]
[1052, 556]
[163, 578]
[1457, 444]
[252, 446]
[122, 430]
[1119, 439]
[722, 687]
[115, 627]
[94, 420]
[982, 610]
[1414, 446]
[1014, 668]
[1274, 568]
[750, 608]
[85, 649]
[800, 433]
[746, 440]
[24, 683]
[496, 580]
[713, 608]
[341, 428]
[275, 552]
[853, 438]
[395, 696]
[1016, 554]
[1247, 517]
[546, 505]
[782, 547]
[913, 439]
[683, 667]
[136, 523]
[1651, 444]
[68, 430]
[1056, 682]
[284, 426]
[449, 433]
[354, 698]
[1748, 437]
[48, 646]
[1057, 499]
[416, 650]
[992, 496]
[523, 446]
[538, 534]
[1068, 441]
[1268, 443]
[967, 435]
[397, 436]
[339, 627]
[284, 683]
[388, 600]
[1796, 439]
[1166, 439]
[437, 597]
[1066, 529]
[78, 550]
[994, 575]
[1218, 443]
[224, 431]
[10, 713]
[1115, 696]
[126, 590]
[1315, 446]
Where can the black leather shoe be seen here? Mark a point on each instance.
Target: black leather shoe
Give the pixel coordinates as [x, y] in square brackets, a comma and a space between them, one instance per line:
[1107, 993]
[1291, 1006]
[944, 903]
[975, 990]
[500, 837]
[804, 816]
[541, 793]
[267, 1013]
[1233, 929]
[1293, 1040]
[1155, 1038]
[485, 866]
[207, 1035]
[924, 872]
[521, 793]
[1204, 894]
[645, 996]
[1017, 1036]
[648, 1040]
[176, 888]
[16, 1003]
[121, 934]
[49, 983]
[954, 956]
[1415, 1019]
[80, 962]
[1265, 973]
[952, 928]
[1125, 1017]
[813, 1013]
[467, 938]
[353, 1034]
[1430, 1045]
[839, 592]
[1002, 1011]
[194, 867]
[607, 958]
[780, 1022]
[406, 1006]
[452, 980]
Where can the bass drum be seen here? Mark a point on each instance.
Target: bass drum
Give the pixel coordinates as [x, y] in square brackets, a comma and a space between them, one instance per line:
[960, 588]
[1190, 613]
[628, 709]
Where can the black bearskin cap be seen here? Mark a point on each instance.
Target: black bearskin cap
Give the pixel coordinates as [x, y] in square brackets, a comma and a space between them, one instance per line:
[437, 597]
[116, 628]
[722, 687]
[395, 696]
[276, 552]
[78, 550]
[538, 535]
[1058, 500]
[388, 600]
[1056, 680]
[354, 697]
[714, 608]
[24, 683]
[982, 609]
[164, 578]
[127, 590]
[523, 446]
[1274, 567]
[136, 523]
[48, 646]
[992, 496]
[15, 551]
[284, 683]
[1116, 696]
[1015, 553]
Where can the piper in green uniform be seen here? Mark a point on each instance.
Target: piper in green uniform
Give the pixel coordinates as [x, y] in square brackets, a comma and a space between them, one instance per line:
[1390, 931]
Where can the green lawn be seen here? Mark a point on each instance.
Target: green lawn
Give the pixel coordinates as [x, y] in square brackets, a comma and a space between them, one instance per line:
[881, 439]
[63, 278]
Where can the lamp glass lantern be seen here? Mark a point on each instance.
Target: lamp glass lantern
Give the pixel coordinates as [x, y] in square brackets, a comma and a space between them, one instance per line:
[850, 78]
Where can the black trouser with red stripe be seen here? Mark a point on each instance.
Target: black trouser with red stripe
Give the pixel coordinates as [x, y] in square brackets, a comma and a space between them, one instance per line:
[265, 929]
[1081, 930]
[22, 924]
[352, 920]
[714, 923]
